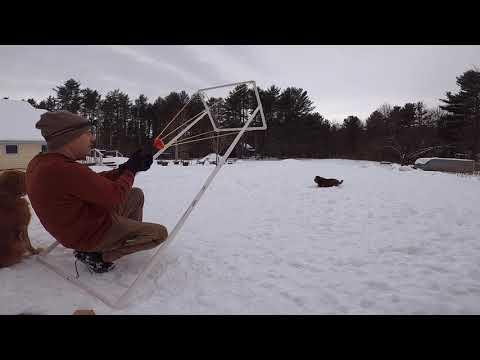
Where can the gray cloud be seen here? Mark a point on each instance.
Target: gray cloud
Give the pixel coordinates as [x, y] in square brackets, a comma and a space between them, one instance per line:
[341, 80]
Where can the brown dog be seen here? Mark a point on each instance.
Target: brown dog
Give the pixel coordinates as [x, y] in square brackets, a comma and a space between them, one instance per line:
[322, 182]
[14, 219]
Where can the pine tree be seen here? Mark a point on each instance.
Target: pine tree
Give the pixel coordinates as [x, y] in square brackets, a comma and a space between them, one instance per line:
[173, 103]
[141, 124]
[50, 104]
[464, 110]
[32, 102]
[68, 96]
[90, 103]
[353, 128]
[293, 105]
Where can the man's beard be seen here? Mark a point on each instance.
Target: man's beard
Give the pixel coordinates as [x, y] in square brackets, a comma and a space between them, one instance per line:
[84, 156]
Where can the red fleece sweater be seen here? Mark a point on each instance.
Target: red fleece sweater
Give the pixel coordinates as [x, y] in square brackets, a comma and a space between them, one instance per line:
[72, 201]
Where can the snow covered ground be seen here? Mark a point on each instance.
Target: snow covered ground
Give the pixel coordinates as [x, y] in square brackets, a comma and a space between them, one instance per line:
[265, 240]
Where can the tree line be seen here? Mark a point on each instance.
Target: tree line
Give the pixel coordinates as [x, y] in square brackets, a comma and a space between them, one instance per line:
[399, 133]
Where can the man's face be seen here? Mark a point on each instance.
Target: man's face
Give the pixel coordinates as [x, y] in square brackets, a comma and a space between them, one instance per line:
[83, 144]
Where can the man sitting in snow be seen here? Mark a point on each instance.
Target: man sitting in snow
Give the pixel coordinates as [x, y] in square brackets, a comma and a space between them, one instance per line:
[99, 215]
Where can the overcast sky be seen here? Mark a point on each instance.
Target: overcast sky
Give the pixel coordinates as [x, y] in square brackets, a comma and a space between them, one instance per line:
[341, 80]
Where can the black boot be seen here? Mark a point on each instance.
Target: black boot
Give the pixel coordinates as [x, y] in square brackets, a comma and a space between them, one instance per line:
[94, 261]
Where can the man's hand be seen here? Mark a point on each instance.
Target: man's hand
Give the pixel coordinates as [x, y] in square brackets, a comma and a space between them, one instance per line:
[146, 162]
[139, 161]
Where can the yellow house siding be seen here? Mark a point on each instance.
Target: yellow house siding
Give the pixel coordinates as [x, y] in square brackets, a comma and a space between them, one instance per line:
[26, 152]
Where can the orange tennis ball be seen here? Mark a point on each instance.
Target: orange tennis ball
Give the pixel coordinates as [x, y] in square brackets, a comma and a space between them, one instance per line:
[158, 143]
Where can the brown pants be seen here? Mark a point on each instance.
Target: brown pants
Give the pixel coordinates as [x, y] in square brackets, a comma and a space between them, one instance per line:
[128, 234]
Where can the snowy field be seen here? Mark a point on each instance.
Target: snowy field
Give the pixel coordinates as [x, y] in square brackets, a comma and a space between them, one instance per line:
[265, 240]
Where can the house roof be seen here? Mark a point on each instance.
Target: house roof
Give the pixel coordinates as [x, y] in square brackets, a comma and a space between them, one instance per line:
[17, 121]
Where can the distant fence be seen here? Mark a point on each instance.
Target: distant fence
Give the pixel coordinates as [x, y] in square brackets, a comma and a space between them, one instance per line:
[96, 156]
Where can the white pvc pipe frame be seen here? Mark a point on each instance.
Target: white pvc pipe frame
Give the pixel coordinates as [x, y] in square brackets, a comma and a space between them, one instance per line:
[122, 301]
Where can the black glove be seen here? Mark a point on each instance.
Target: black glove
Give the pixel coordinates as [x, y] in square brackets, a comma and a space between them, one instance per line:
[146, 162]
[139, 161]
